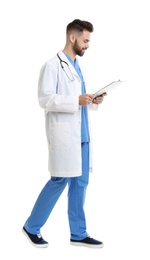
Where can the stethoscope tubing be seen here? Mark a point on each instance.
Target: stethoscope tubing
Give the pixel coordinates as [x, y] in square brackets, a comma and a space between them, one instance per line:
[61, 61]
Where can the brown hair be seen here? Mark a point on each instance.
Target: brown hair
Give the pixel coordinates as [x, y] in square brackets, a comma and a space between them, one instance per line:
[79, 25]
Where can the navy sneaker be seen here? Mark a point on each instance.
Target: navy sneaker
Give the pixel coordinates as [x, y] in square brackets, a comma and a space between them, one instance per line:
[88, 241]
[35, 240]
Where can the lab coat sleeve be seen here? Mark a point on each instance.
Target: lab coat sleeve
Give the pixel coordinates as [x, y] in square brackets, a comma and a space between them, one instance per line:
[48, 98]
[93, 106]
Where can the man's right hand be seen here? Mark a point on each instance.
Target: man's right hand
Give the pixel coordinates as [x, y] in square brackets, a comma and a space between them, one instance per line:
[85, 99]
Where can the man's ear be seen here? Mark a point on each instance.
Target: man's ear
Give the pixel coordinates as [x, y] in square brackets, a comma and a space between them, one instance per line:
[72, 38]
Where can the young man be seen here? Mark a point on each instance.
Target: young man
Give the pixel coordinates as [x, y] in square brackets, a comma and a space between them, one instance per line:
[62, 95]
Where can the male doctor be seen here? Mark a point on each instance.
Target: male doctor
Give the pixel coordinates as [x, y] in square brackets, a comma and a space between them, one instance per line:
[62, 95]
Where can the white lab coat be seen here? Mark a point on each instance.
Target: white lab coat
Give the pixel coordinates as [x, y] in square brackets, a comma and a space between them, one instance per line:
[59, 97]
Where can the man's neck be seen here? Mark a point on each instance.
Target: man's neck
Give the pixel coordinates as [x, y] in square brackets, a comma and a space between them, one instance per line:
[70, 53]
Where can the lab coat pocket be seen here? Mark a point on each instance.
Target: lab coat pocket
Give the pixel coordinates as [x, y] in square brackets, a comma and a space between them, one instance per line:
[60, 134]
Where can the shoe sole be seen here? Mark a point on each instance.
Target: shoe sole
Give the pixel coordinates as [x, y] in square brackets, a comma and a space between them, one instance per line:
[87, 245]
[36, 245]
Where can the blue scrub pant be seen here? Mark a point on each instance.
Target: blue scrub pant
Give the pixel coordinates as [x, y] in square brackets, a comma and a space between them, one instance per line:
[76, 198]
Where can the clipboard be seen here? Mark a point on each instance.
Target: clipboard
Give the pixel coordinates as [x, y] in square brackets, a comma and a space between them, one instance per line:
[107, 88]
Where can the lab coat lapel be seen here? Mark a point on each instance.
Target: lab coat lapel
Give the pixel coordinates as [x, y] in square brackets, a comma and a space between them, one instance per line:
[72, 69]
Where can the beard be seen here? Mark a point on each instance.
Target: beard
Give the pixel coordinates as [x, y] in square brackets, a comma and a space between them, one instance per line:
[78, 51]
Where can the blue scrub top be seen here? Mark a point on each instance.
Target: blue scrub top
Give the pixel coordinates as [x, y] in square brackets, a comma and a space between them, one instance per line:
[84, 117]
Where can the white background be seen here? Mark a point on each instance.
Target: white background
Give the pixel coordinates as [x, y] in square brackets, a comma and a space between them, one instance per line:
[117, 205]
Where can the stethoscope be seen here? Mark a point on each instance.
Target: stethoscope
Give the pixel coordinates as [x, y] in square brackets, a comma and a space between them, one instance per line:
[68, 70]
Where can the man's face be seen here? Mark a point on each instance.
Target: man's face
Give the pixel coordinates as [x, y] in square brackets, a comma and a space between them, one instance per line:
[81, 43]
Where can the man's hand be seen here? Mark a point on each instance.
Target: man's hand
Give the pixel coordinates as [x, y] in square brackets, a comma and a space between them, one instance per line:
[85, 99]
[99, 100]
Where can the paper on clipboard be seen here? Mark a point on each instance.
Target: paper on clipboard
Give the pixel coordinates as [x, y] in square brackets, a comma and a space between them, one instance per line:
[107, 88]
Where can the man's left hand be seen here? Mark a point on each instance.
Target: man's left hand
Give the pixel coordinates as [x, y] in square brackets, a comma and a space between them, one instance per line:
[99, 100]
